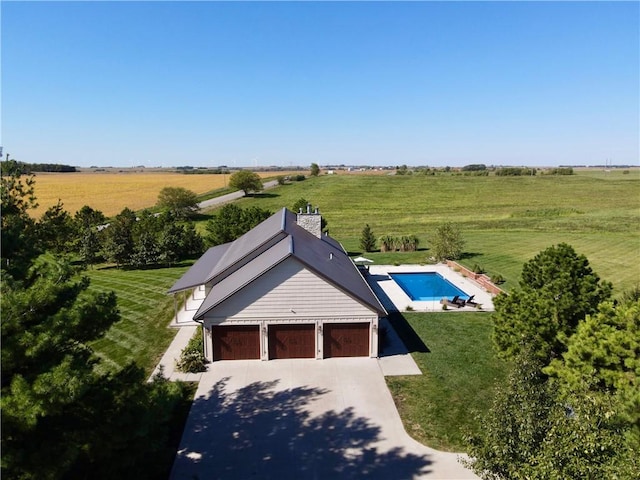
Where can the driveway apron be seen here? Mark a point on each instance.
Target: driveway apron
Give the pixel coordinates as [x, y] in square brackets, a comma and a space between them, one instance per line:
[302, 418]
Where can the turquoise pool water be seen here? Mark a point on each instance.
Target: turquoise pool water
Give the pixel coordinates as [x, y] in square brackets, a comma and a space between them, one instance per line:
[427, 286]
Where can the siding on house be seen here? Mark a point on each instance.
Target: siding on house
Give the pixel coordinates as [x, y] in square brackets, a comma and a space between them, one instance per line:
[289, 292]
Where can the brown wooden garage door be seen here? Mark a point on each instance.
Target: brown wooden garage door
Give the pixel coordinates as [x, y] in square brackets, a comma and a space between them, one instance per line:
[236, 343]
[292, 341]
[346, 340]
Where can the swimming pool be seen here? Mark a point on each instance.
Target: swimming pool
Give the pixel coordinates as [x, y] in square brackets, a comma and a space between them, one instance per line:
[427, 286]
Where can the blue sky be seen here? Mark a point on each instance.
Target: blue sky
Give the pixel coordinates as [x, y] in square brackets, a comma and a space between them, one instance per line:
[290, 83]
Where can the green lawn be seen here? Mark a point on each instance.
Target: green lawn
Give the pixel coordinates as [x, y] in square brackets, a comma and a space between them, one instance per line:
[141, 335]
[504, 220]
[460, 371]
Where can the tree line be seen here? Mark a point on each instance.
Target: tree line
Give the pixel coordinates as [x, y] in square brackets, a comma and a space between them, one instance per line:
[9, 166]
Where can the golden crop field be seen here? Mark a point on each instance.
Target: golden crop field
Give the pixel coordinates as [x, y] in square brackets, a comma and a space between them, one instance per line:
[111, 192]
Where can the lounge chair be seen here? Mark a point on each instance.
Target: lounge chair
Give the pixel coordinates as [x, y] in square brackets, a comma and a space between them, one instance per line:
[471, 302]
[454, 302]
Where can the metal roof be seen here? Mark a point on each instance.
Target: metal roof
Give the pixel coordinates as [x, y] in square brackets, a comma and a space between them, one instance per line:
[232, 266]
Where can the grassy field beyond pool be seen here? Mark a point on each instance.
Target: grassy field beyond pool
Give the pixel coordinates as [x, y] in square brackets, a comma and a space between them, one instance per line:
[504, 220]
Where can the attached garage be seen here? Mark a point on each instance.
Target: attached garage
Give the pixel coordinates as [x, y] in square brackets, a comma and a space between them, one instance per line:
[346, 340]
[236, 343]
[292, 341]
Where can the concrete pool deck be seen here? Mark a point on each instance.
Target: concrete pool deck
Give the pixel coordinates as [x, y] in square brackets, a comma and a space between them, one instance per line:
[395, 299]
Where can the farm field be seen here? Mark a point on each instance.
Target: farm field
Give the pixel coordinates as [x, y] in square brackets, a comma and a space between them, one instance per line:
[505, 221]
[111, 192]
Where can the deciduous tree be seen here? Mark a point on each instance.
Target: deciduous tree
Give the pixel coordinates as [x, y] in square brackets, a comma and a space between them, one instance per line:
[447, 242]
[315, 170]
[181, 202]
[246, 181]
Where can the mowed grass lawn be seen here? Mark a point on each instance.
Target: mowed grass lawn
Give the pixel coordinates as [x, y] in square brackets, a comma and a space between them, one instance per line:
[142, 335]
[460, 371]
[505, 221]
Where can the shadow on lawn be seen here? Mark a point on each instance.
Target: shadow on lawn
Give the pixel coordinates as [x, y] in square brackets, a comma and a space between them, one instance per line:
[407, 334]
[260, 432]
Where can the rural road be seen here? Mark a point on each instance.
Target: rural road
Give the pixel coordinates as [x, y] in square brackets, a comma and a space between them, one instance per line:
[231, 196]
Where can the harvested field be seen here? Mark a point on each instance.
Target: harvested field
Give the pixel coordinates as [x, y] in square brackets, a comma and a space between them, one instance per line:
[111, 192]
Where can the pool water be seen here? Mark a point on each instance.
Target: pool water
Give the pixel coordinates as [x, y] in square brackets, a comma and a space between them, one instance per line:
[427, 286]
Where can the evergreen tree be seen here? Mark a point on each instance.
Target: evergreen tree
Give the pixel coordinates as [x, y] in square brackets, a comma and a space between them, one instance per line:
[367, 239]
[315, 170]
[557, 290]
[55, 230]
[18, 240]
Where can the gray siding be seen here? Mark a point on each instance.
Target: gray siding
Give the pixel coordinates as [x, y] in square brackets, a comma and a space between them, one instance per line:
[289, 291]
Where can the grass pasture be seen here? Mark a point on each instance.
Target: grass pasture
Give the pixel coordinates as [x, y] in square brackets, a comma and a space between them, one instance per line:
[505, 221]
[111, 192]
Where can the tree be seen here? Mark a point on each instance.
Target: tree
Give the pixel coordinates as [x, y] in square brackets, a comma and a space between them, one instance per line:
[300, 205]
[367, 239]
[447, 242]
[191, 244]
[179, 201]
[89, 246]
[170, 243]
[232, 221]
[603, 355]
[55, 229]
[147, 251]
[246, 181]
[18, 241]
[315, 170]
[534, 431]
[557, 290]
[119, 242]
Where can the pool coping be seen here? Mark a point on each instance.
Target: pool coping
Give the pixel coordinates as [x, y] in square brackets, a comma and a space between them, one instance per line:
[394, 298]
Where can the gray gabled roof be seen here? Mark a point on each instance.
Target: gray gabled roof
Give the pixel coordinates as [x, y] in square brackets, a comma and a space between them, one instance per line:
[232, 266]
[201, 270]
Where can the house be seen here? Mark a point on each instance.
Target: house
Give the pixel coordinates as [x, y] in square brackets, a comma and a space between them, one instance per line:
[283, 290]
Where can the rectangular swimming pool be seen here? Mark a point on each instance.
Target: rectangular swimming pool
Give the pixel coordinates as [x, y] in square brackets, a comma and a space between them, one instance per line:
[427, 286]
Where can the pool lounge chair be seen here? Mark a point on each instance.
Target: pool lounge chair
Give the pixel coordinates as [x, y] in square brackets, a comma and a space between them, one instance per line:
[471, 302]
[454, 302]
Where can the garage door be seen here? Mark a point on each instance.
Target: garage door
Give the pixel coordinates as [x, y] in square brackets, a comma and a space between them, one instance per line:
[236, 343]
[292, 341]
[346, 340]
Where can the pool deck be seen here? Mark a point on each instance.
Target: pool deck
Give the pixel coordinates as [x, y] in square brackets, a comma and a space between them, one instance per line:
[395, 299]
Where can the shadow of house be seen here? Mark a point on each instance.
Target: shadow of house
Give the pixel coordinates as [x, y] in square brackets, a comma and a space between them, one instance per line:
[260, 432]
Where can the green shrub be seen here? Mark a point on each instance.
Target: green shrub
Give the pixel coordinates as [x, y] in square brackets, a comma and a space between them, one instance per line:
[497, 279]
[477, 269]
[192, 356]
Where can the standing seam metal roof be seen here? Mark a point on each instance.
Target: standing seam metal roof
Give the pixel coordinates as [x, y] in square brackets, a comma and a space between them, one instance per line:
[238, 263]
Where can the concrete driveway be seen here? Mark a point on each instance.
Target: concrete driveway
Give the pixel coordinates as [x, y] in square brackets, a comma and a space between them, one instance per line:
[302, 419]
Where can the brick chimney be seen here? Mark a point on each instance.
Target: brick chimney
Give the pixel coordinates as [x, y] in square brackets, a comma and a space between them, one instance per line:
[310, 221]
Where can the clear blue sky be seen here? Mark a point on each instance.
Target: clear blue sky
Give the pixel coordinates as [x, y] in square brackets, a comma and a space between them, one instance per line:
[279, 83]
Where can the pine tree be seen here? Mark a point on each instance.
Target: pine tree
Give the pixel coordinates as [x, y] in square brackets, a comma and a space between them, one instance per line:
[367, 239]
